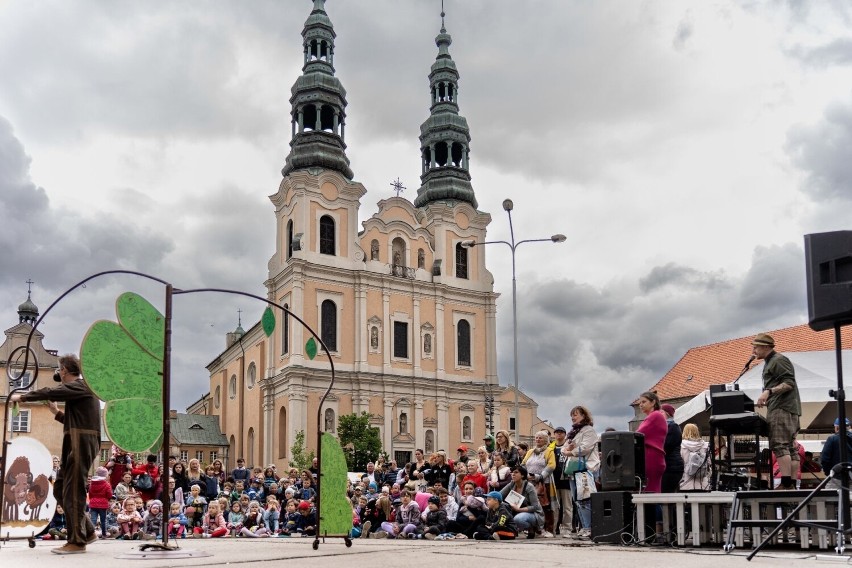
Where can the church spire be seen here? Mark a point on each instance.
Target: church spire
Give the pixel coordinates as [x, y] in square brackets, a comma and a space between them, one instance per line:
[28, 311]
[318, 102]
[444, 136]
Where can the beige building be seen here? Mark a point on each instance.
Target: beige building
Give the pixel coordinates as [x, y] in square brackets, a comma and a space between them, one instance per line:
[406, 311]
[32, 420]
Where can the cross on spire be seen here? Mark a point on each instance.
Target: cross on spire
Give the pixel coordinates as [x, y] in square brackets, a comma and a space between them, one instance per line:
[239, 317]
[29, 286]
[443, 30]
[398, 187]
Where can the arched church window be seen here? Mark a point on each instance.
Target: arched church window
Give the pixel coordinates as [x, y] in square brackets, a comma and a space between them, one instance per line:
[232, 386]
[441, 153]
[457, 153]
[461, 261]
[328, 326]
[285, 333]
[327, 237]
[463, 343]
[251, 375]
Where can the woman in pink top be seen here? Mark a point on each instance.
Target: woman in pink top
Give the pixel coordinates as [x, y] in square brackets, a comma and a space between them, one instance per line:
[654, 427]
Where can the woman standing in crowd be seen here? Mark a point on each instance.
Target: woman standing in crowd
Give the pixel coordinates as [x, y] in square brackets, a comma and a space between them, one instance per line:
[540, 462]
[694, 453]
[179, 475]
[674, 463]
[654, 427]
[582, 442]
[505, 446]
[416, 467]
[219, 471]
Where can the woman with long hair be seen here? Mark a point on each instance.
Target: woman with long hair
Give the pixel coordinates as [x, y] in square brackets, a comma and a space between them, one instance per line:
[194, 473]
[504, 444]
[694, 452]
[582, 443]
[655, 428]
[179, 475]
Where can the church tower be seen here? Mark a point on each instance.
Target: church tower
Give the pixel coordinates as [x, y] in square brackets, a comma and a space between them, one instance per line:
[409, 322]
[444, 136]
[318, 102]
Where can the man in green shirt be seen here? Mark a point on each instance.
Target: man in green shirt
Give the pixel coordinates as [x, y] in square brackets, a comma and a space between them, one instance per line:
[781, 397]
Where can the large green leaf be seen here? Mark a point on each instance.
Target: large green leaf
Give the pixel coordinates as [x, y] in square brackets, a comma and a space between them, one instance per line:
[123, 364]
[335, 509]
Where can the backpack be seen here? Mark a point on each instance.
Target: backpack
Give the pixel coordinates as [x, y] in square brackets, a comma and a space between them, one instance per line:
[144, 482]
[695, 463]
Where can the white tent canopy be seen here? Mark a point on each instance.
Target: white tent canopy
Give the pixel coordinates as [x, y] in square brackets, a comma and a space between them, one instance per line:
[816, 374]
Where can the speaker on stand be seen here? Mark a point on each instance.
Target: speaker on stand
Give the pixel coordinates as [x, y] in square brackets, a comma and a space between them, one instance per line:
[622, 461]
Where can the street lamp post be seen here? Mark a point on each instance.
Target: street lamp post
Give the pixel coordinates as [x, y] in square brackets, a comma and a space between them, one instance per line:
[558, 238]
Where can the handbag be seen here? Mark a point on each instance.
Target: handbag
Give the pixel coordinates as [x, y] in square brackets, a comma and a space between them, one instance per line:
[584, 481]
[144, 482]
[573, 465]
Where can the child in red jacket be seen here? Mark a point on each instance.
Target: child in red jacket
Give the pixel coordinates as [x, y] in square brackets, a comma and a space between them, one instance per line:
[100, 493]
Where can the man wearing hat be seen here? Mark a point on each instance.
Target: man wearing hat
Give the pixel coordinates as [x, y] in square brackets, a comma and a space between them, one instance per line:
[781, 397]
[563, 484]
[461, 452]
[830, 454]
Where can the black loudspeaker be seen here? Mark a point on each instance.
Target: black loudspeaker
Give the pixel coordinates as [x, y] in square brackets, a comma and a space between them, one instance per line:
[622, 461]
[828, 261]
[734, 402]
[612, 516]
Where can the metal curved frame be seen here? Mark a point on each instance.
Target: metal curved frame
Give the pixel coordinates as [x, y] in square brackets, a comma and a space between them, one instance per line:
[170, 292]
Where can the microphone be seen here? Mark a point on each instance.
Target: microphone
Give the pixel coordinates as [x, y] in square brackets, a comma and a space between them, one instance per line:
[748, 363]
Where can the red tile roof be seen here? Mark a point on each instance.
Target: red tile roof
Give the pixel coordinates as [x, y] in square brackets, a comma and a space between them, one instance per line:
[721, 362]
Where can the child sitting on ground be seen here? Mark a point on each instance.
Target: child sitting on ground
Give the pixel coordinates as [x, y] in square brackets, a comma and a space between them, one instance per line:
[57, 529]
[196, 505]
[289, 519]
[177, 522]
[112, 528]
[152, 523]
[214, 522]
[271, 514]
[235, 518]
[499, 523]
[306, 525]
[129, 520]
[253, 524]
[435, 520]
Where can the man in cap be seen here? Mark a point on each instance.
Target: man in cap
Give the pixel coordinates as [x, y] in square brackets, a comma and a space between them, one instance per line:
[830, 454]
[781, 396]
[461, 451]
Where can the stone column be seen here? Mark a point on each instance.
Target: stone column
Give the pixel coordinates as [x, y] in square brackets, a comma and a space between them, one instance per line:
[387, 443]
[301, 120]
[386, 340]
[318, 126]
[439, 340]
[297, 415]
[415, 339]
[442, 440]
[418, 430]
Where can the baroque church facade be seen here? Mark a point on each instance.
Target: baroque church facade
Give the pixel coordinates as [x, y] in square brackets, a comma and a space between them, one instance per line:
[407, 313]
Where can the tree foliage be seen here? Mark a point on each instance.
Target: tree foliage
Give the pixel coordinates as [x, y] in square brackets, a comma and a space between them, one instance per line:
[360, 441]
[301, 458]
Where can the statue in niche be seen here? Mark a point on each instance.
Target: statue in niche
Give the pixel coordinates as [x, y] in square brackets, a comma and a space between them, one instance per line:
[374, 250]
[421, 259]
[427, 344]
[397, 260]
[430, 442]
[466, 429]
[329, 420]
[403, 423]
[374, 337]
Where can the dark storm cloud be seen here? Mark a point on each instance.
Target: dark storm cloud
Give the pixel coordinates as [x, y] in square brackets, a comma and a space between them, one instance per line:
[601, 347]
[209, 246]
[821, 150]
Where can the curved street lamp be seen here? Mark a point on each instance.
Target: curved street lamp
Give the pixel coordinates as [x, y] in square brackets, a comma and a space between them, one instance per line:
[557, 238]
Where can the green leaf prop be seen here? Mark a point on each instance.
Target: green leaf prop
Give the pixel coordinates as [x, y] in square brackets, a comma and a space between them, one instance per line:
[311, 348]
[335, 508]
[123, 365]
[268, 321]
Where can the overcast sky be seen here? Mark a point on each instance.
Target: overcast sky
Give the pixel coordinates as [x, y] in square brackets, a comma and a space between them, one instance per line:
[683, 147]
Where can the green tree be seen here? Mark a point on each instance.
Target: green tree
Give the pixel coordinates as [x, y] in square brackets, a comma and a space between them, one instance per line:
[360, 441]
[301, 459]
